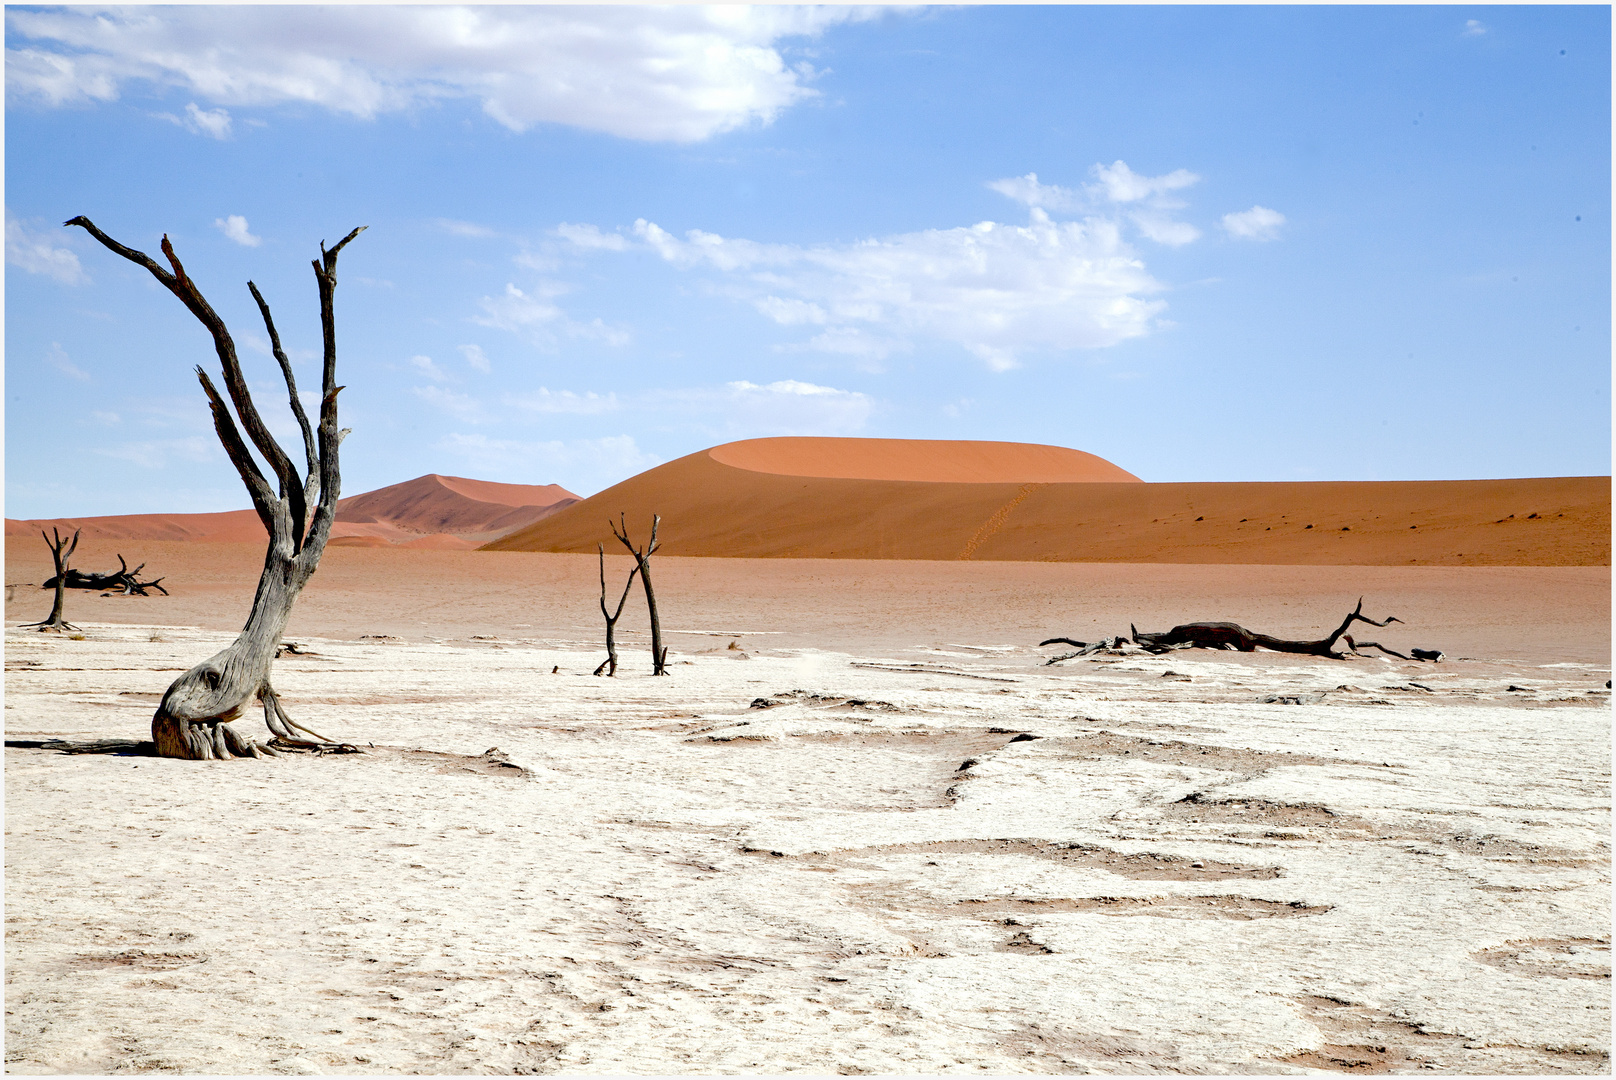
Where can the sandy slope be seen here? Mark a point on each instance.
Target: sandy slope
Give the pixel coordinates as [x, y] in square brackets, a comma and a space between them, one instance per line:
[826, 498]
[926, 460]
[433, 511]
[877, 835]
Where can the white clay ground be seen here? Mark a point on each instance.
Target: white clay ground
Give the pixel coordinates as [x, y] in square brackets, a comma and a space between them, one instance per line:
[1143, 869]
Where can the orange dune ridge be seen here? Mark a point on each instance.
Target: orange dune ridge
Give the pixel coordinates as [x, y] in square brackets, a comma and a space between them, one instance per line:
[921, 499]
[432, 511]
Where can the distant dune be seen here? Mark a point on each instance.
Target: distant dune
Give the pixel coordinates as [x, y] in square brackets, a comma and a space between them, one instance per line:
[917, 499]
[431, 511]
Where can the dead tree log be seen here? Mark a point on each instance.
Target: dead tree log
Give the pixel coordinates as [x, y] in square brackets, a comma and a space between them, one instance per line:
[123, 579]
[1228, 635]
[1084, 648]
[642, 559]
[609, 665]
[60, 550]
[193, 720]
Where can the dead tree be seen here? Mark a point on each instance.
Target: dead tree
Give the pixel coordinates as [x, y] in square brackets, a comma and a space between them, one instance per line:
[123, 580]
[193, 720]
[609, 665]
[1227, 635]
[642, 559]
[60, 550]
[1084, 648]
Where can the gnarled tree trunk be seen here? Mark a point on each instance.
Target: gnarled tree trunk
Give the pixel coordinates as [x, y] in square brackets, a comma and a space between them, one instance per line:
[60, 550]
[193, 720]
[609, 665]
[642, 559]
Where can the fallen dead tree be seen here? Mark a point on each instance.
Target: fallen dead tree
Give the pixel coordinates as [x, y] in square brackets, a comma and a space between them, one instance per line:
[1228, 635]
[122, 580]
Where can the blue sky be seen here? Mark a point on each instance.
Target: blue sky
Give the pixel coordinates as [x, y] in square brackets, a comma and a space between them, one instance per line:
[1206, 243]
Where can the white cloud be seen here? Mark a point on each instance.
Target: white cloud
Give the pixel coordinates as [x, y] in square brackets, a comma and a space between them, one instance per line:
[743, 409]
[545, 400]
[468, 229]
[677, 73]
[460, 406]
[234, 228]
[1154, 225]
[1027, 189]
[1258, 223]
[58, 359]
[539, 321]
[590, 238]
[790, 312]
[1120, 184]
[426, 367]
[214, 123]
[35, 253]
[476, 358]
[1474, 28]
[157, 453]
[995, 290]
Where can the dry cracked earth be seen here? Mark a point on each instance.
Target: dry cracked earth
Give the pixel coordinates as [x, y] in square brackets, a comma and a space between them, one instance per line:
[952, 859]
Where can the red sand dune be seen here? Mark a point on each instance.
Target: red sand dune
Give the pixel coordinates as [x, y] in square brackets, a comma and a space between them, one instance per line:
[875, 499]
[447, 512]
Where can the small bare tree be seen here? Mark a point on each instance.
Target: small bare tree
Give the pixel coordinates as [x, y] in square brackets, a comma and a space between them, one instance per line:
[642, 559]
[193, 720]
[609, 665]
[60, 550]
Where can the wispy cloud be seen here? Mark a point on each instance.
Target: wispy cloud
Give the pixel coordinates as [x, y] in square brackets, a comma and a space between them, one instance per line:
[234, 228]
[462, 407]
[214, 123]
[476, 358]
[58, 359]
[583, 465]
[1121, 184]
[539, 320]
[590, 238]
[159, 453]
[743, 409]
[1148, 199]
[1473, 28]
[996, 290]
[36, 252]
[544, 400]
[1027, 190]
[468, 229]
[1258, 223]
[677, 73]
[426, 367]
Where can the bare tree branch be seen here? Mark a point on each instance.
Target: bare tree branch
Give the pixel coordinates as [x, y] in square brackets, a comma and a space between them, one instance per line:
[659, 654]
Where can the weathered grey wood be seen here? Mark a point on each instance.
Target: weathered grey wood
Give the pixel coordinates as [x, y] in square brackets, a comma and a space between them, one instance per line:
[60, 551]
[1084, 648]
[609, 665]
[193, 718]
[642, 557]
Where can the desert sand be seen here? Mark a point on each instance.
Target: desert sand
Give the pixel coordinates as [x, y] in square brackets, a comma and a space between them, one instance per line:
[432, 511]
[903, 499]
[862, 827]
